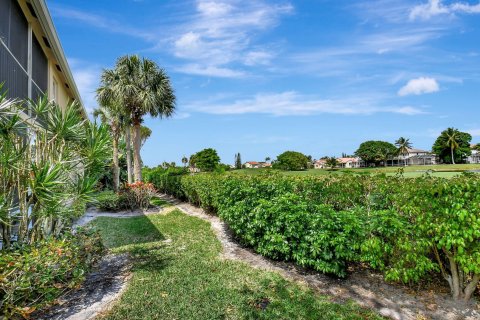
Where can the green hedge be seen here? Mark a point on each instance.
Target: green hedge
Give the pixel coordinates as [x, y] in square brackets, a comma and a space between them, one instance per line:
[406, 228]
[33, 276]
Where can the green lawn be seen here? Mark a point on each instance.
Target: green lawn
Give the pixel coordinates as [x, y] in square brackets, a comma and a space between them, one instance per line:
[178, 274]
[444, 170]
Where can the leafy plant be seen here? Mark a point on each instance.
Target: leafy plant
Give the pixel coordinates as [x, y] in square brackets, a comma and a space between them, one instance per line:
[137, 195]
[33, 276]
[406, 228]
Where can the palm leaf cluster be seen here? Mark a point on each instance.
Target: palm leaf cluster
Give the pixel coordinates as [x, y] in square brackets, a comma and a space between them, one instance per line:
[49, 167]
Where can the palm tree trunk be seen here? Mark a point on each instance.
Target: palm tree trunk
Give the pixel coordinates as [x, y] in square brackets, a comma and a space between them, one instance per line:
[453, 158]
[128, 143]
[116, 168]
[137, 160]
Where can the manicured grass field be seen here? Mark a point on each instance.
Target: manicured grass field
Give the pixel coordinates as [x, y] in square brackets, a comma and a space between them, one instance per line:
[177, 274]
[445, 171]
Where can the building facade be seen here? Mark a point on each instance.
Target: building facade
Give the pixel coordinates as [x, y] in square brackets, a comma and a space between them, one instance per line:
[32, 61]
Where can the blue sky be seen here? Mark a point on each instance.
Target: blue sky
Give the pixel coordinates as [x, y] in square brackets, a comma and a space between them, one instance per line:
[261, 77]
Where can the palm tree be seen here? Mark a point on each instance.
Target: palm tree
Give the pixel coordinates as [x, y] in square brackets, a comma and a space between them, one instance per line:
[185, 161]
[145, 133]
[111, 115]
[331, 162]
[143, 89]
[402, 147]
[452, 141]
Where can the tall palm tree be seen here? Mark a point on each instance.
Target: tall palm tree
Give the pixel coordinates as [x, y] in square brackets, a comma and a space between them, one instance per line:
[111, 115]
[403, 145]
[452, 141]
[143, 89]
[185, 161]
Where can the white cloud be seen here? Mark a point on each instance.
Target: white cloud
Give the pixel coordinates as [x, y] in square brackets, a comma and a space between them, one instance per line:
[409, 111]
[210, 71]
[474, 132]
[181, 115]
[222, 32]
[101, 22]
[293, 103]
[214, 8]
[467, 8]
[419, 86]
[87, 79]
[436, 7]
[260, 57]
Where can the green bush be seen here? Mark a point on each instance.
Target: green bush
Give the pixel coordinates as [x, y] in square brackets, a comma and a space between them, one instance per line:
[405, 228]
[109, 201]
[33, 276]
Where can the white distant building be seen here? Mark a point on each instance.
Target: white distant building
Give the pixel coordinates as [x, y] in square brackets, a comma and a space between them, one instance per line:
[416, 157]
[350, 162]
[474, 157]
[320, 164]
[256, 165]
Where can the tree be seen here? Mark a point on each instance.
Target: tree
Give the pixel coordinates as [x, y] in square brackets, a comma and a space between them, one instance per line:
[205, 160]
[111, 115]
[145, 133]
[184, 161]
[453, 146]
[267, 159]
[403, 145]
[376, 151]
[291, 161]
[143, 89]
[238, 161]
[128, 150]
[331, 162]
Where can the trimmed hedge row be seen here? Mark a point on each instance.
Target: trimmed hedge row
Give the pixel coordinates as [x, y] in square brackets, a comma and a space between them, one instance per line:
[406, 228]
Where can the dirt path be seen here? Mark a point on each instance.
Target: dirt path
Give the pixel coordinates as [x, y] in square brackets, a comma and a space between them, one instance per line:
[365, 288]
[104, 285]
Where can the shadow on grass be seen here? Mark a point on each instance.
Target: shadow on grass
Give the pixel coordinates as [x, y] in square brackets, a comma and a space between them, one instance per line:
[124, 232]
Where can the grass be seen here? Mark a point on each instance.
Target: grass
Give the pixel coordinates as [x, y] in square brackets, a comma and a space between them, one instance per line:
[444, 170]
[184, 278]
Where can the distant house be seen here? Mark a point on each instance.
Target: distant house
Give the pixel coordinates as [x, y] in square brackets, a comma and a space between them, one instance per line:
[349, 162]
[193, 169]
[251, 165]
[415, 157]
[256, 165]
[320, 164]
[474, 157]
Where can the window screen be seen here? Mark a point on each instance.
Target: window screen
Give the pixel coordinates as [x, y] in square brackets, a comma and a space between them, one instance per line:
[39, 66]
[14, 78]
[18, 42]
[5, 19]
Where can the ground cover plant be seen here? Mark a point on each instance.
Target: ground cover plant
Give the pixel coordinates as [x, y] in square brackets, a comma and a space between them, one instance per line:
[34, 275]
[410, 229]
[177, 274]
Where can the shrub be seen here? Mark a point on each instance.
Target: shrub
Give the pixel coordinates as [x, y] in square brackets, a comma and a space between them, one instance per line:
[34, 275]
[137, 195]
[109, 201]
[405, 228]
